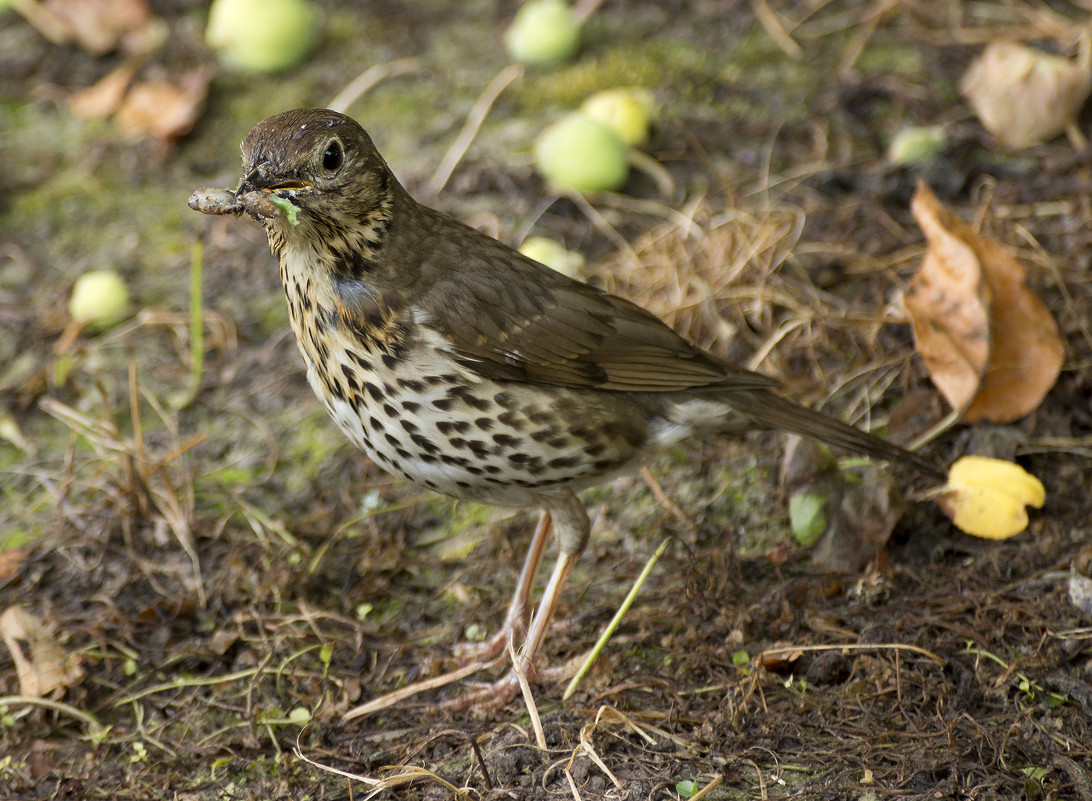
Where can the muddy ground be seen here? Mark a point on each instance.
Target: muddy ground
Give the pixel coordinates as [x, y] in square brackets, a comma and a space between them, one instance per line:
[216, 567]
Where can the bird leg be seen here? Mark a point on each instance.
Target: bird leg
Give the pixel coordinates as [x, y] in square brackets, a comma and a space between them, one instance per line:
[570, 521]
[573, 529]
[518, 610]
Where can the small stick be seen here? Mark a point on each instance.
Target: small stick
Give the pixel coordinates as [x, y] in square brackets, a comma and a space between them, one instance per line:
[392, 698]
[473, 124]
[369, 78]
[520, 667]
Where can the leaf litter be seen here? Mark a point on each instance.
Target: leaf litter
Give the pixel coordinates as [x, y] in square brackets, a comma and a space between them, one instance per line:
[991, 346]
[951, 667]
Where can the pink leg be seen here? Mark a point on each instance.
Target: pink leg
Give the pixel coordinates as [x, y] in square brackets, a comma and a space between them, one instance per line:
[570, 521]
[572, 526]
[546, 606]
[493, 696]
[516, 618]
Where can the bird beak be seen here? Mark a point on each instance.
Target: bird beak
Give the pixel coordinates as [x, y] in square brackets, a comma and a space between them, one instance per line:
[289, 188]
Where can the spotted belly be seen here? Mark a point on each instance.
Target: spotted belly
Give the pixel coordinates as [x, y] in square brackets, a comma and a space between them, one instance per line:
[474, 438]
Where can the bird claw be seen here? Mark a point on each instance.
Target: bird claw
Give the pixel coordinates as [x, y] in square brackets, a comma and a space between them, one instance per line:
[488, 697]
[484, 697]
[486, 650]
[388, 700]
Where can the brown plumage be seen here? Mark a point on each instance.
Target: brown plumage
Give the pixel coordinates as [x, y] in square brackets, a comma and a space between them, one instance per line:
[460, 364]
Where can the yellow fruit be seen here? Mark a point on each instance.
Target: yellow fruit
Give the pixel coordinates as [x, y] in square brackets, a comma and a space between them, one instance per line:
[553, 254]
[261, 35]
[627, 112]
[543, 32]
[986, 497]
[579, 153]
[99, 297]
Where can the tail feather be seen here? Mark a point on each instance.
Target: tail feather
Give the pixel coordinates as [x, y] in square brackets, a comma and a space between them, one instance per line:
[778, 412]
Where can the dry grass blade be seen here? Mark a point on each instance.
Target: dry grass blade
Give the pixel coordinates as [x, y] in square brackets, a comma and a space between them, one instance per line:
[586, 746]
[572, 786]
[665, 501]
[519, 666]
[178, 512]
[151, 481]
[783, 650]
[712, 275]
[776, 30]
[408, 774]
[376, 73]
[470, 128]
[398, 696]
[704, 791]
[603, 226]
[606, 714]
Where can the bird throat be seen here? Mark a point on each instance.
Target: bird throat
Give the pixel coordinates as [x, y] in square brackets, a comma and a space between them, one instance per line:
[337, 301]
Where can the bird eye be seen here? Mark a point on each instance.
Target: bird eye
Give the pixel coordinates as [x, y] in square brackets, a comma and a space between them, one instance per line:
[333, 157]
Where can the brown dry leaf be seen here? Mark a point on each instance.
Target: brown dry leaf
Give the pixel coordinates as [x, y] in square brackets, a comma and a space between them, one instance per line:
[163, 109]
[991, 347]
[47, 670]
[855, 513]
[97, 26]
[11, 562]
[1025, 97]
[103, 99]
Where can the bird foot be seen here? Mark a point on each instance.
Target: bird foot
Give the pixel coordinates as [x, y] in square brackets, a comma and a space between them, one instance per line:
[403, 693]
[486, 650]
[486, 697]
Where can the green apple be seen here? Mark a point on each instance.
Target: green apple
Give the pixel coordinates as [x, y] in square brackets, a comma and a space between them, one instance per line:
[261, 35]
[100, 298]
[543, 32]
[916, 145]
[582, 154]
[627, 112]
[553, 254]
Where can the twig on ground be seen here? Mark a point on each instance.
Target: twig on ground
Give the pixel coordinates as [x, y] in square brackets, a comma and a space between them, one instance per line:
[376, 73]
[474, 120]
[528, 698]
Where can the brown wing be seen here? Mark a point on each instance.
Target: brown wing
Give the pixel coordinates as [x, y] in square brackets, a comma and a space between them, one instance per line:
[511, 318]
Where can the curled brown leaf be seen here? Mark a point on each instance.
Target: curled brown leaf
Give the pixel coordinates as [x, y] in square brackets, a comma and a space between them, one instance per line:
[1025, 97]
[990, 344]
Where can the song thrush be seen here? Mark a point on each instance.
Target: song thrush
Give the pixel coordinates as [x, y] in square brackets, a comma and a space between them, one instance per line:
[461, 365]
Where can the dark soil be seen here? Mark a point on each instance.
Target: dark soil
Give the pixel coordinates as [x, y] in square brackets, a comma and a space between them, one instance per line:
[217, 569]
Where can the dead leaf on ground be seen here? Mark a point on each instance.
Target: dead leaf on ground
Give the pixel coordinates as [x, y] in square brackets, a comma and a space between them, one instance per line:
[47, 669]
[99, 101]
[849, 518]
[163, 109]
[11, 562]
[1025, 97]
[98, 26]
[990, 345]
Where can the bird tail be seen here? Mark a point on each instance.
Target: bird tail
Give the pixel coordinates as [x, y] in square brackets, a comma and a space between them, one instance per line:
[774, 410]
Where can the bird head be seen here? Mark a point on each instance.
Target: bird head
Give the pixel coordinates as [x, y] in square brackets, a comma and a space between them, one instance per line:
[324, 164]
